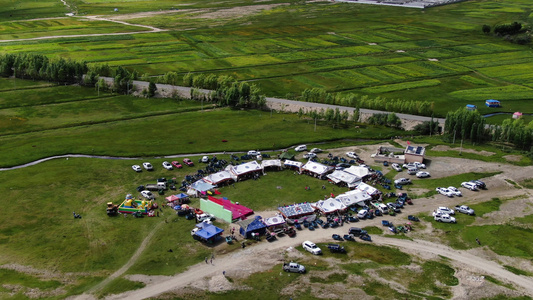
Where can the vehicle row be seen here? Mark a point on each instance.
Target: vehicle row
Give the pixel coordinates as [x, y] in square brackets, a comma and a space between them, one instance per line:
[169, 166]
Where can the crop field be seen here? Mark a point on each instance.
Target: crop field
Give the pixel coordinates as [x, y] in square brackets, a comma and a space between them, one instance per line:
[411, 54]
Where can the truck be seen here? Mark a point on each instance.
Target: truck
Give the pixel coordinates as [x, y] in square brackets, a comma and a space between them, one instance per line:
[293, 267]
[156, 187]
[381, 207]
[445, 218]
[465, 210]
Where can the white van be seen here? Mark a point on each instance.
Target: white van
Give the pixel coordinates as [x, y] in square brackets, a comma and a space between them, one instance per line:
[412, 171]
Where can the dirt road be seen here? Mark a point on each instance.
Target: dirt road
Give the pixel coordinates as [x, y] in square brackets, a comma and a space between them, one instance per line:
[258, 257]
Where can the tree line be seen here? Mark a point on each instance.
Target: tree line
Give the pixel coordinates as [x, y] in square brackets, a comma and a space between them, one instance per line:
[471, 125]
[513, 32]
[317, 95]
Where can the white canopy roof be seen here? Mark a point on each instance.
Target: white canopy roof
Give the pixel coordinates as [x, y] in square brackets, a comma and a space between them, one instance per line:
[221, 176]
[275, 220]
[293, 163]
[248, 167]
[341, 176]
[271, 163]
[354, 197]
[316, 168]
[361, 172]
[330, 205]
[367, 188]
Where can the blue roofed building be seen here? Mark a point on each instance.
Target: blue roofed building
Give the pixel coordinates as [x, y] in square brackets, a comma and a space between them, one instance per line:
[492, 103]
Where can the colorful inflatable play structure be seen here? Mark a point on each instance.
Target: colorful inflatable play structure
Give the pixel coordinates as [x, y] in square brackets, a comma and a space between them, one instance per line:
[131, 206]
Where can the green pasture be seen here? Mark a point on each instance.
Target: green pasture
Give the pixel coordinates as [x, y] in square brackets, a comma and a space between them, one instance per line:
[61, 26]
[31, 9]
[437, 54]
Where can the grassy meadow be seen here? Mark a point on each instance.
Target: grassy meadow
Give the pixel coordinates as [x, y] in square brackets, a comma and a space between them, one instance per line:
[437, 54]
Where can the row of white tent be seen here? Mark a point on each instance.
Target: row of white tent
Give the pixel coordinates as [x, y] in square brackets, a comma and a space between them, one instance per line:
[360, 196]
[351, 176]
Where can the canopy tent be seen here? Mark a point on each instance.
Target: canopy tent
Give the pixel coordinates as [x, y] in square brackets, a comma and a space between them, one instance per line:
[207, 232]
[237, 211]
[271, 163]
[316, 169]
[339, 176]
[178, 198]
[296, 210]
[358, 171]
[219, 177]
[250, 226]
[330, 205]
[274, 221]
[199, 187]
[293, 164]
[286, 155]
[354, 197]
[492, 103]
[471, 107]
[517, 115]
[370, 190]
[245, 168]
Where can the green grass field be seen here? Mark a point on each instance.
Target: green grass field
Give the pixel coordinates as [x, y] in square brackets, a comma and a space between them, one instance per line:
[437, 54]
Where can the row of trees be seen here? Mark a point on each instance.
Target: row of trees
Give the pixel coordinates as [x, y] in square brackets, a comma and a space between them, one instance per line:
[334, 117]
[466, 124]
[40, 67]
[235, 95]
[513, 32]
[379, 103]
[390, 120]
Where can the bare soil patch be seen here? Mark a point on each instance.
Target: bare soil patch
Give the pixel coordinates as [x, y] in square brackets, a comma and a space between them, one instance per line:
[236, 12]
[448, 148]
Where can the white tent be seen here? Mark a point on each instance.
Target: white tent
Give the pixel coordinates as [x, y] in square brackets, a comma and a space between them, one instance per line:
[239, 170]
[358, 171]
[271, 163]
[317, 169]
[274, 221]
[368, 189]
[330, 205]
[340, 176]
[219, 177]
[292, 163]
[354, 197]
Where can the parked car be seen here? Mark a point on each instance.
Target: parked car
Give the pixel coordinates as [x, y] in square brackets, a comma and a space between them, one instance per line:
[167, 165]
[396, 167]
[465, 210]
[310, 155]
[147, 194]
[136, 168]
[455, 191]
[148, 166]
[205, 159]
[413, 218]
[412, 171]
[293, 267]
[445, 218]
[402, 181]
[469, 185]
[352, 154]
[444, 210]
[422, 174]
[254, 153]
[444, 191]
[316, 150]
[414, 165]
[188, 162]
[342, 166]
[356, 231]
[300, 148]
[479, 184]
[336, 248]
[393, 206]
[311, 247]
[362, 214]
[177, 164]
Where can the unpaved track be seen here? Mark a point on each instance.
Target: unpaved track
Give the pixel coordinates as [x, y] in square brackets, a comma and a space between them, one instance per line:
[252, 255]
